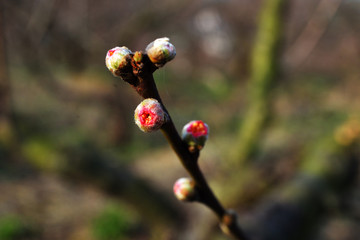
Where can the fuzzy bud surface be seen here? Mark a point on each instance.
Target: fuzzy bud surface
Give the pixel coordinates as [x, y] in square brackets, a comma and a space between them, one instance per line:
[149, 115]
[116, 59]
[161, 51]
[184, 189]
[195, 134]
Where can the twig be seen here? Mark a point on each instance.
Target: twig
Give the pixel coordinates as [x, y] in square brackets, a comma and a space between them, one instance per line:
[138, 72]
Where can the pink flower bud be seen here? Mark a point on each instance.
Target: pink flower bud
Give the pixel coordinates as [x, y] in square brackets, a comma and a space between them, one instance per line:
[116, 59]
[195, 134]
[149, 115]
[184, 189]
[160, 51]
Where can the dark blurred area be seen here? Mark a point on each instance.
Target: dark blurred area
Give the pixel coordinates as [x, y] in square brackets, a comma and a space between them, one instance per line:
[73, 165]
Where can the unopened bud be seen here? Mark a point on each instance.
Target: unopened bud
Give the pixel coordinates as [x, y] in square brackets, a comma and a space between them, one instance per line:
[160, 51]
[184, 189]
[149, 115]
[117, 59]
[195, 134]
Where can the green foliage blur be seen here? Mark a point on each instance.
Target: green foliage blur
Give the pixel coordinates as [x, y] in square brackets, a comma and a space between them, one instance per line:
[113, 223]
[12, 228]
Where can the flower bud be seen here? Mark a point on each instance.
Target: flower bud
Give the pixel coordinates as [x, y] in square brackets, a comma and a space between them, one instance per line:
[160, 51]
[184, 189]
[149, 115]
[116, 59]
[195, 134]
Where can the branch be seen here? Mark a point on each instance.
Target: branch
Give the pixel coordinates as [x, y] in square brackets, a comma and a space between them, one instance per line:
[137, 70]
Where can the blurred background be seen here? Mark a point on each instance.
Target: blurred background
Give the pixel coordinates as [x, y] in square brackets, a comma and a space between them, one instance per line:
[277, 82]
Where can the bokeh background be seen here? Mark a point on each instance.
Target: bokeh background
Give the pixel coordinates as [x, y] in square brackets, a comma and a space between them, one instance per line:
[283, 147]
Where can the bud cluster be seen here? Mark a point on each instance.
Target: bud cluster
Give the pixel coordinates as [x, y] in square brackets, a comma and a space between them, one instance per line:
[119, 59]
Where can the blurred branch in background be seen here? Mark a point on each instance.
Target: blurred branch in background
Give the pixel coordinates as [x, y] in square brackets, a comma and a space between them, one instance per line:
[312, 33]
[264, 70]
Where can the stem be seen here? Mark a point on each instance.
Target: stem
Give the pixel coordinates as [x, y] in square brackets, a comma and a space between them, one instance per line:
[189, 161]
[228, 221]
[146, 87]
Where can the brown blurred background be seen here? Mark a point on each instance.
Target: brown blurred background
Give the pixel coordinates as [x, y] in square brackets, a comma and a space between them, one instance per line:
[283, 146]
